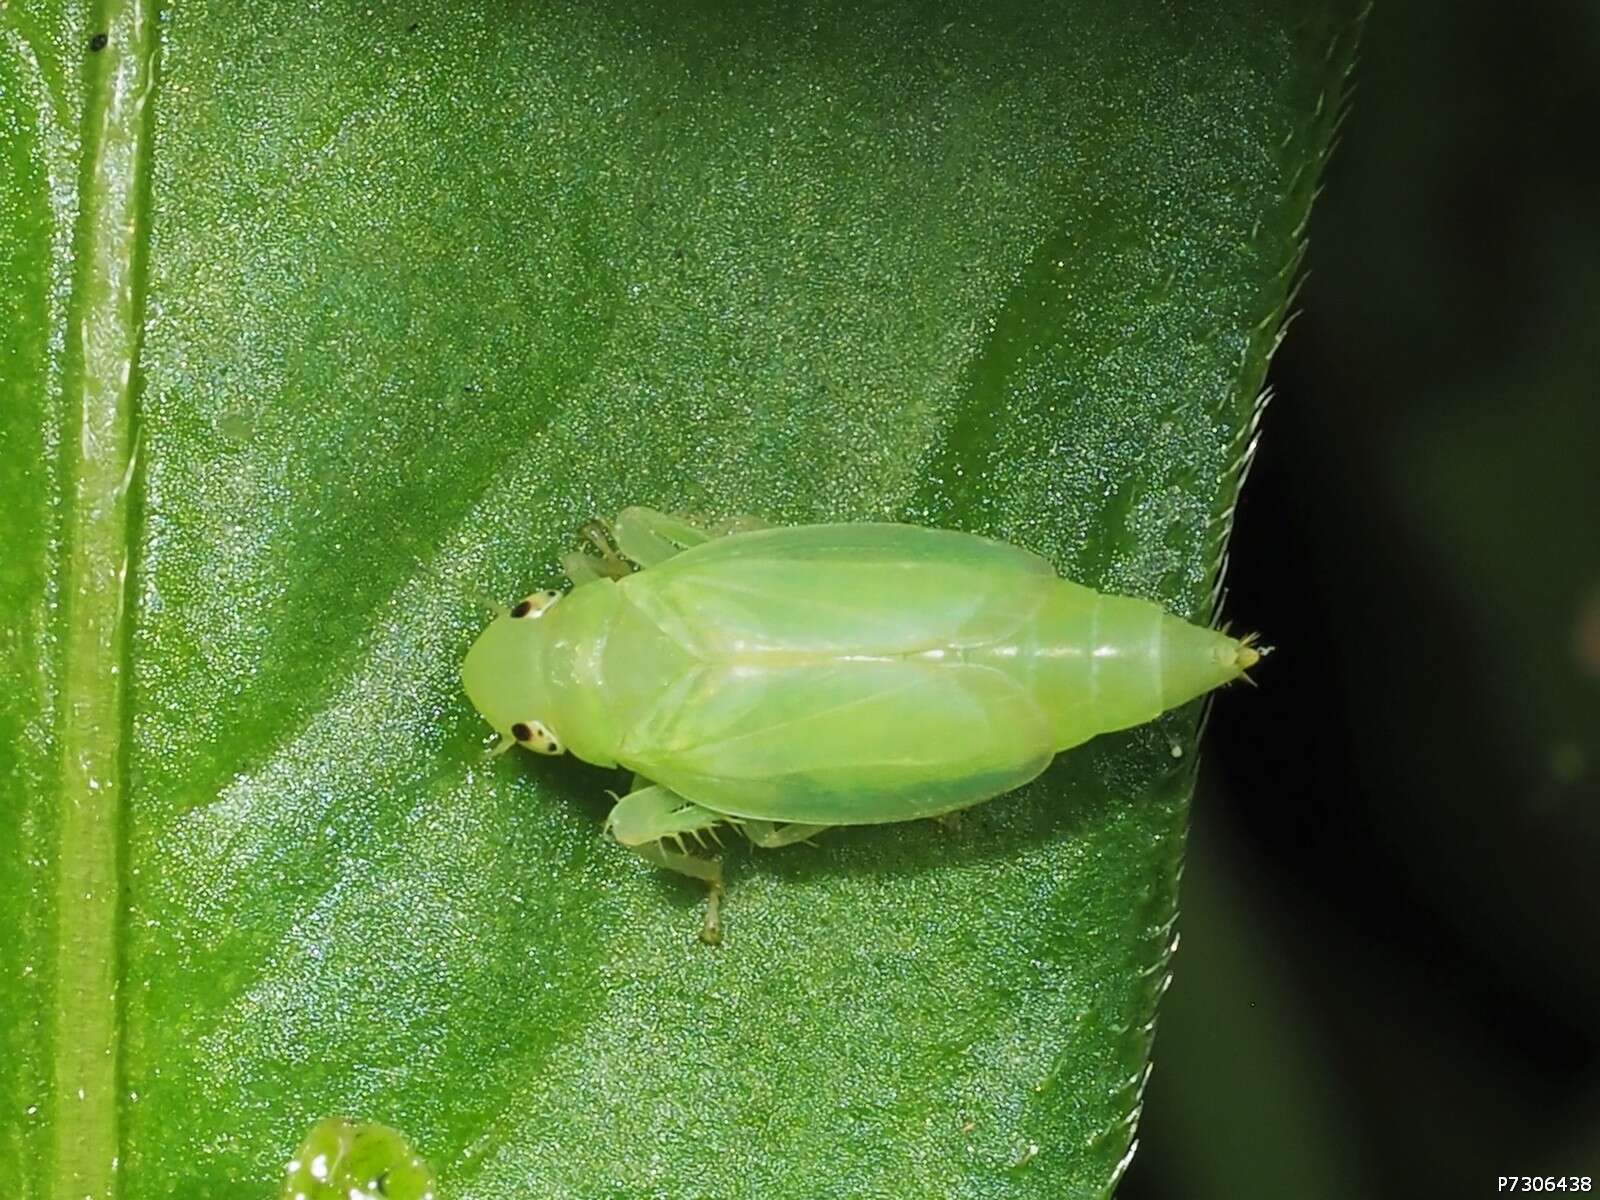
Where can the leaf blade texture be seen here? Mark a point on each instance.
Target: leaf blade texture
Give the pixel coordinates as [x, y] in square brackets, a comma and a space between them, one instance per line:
[331, 323]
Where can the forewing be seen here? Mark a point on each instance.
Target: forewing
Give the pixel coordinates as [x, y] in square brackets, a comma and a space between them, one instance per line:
[826, 590]
[843, 743]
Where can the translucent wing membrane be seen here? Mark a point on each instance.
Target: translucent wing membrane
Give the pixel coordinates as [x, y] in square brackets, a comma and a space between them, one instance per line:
[842, 743]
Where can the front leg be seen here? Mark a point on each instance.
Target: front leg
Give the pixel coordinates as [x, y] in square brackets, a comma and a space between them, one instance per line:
[641, 538]
[647, 819]
[648, 537]
[638, 538]
[606, 563]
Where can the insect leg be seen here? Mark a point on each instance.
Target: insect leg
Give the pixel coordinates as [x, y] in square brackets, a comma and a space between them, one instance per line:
[649, 537]
[769, 835]
[640, 537]
[597, 557]
[582, 568]
[648, 819]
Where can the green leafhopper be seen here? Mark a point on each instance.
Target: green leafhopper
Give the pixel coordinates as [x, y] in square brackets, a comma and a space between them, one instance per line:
[782, 680]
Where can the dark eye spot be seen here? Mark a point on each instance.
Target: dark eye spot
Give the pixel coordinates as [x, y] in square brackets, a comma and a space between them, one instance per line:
[98, 41]
[522, 732]
[522, 608]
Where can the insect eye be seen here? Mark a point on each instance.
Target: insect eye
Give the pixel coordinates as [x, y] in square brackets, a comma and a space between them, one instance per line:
[534, 605]
[536, 737]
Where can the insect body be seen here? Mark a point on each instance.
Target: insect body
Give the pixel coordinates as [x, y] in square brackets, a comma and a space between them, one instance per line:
[788, 679]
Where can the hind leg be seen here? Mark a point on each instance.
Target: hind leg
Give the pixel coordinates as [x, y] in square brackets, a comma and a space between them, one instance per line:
[652, 821]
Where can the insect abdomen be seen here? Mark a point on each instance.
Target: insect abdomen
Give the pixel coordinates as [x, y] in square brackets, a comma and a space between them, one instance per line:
[1097, 663]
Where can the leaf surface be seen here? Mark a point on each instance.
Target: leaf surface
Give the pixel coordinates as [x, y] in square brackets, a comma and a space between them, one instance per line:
[323, 324]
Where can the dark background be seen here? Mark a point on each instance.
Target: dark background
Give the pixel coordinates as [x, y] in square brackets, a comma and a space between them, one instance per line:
[1389, 977]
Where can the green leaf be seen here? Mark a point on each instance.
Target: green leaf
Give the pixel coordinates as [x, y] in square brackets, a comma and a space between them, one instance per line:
[323, 323]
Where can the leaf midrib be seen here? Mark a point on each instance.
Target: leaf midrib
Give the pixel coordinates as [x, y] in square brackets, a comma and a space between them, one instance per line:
[104, 325]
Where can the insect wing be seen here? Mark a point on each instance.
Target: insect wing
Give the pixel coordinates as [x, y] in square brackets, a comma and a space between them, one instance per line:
[829, 590]
[842, 743]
